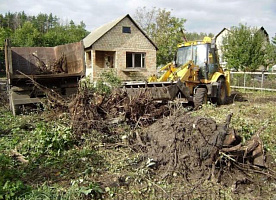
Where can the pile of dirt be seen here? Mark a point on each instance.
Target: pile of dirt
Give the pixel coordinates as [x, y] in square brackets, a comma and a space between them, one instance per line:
[198, 149]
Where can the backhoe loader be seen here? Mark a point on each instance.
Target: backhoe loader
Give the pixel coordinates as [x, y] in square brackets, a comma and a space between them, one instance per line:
[195, 74]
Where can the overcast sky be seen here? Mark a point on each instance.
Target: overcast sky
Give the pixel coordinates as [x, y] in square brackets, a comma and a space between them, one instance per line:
[208, 16]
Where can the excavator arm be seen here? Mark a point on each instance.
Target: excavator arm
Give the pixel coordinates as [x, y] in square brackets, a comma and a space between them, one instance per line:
[183, 72]
[172, 73]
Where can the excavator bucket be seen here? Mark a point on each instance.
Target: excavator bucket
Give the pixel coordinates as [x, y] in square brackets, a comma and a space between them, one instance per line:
[155, 90]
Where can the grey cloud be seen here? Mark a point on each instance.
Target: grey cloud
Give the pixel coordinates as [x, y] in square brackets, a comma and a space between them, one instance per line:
[202, 15]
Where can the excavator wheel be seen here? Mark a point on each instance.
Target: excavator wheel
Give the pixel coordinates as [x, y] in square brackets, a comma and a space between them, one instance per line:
[200, 97]
[222, 92]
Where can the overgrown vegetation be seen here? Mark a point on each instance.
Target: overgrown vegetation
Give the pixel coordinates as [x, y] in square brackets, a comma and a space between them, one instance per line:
[41, 158]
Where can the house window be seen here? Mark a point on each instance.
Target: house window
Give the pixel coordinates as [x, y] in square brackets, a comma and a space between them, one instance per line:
[126, 29]
[135, 59]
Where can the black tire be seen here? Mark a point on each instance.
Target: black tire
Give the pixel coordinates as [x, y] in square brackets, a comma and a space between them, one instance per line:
[222, 92]
[200, 97]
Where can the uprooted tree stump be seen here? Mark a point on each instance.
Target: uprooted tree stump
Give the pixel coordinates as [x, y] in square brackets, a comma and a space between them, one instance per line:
[198, 148]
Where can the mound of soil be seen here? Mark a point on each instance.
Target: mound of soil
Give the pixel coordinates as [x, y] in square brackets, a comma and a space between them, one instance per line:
[197, 148]
[184, 143]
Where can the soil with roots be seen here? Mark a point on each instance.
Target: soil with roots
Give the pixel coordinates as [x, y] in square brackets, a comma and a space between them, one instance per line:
[196, 149]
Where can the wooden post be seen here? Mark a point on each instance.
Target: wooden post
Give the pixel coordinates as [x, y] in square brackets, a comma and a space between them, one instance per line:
[244, 80]
[262, 83]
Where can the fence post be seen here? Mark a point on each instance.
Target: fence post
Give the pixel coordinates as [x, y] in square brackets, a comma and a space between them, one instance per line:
[244, 80]
[262, 83]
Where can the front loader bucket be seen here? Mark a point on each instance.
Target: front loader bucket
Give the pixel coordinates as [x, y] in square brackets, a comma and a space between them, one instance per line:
[155, 90]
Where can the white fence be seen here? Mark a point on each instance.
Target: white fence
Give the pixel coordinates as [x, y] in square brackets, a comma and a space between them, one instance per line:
[265, 81]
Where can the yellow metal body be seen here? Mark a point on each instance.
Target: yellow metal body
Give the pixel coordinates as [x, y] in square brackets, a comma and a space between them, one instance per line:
[189, 72]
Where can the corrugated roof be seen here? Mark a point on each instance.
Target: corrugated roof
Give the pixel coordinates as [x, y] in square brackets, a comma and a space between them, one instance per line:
[102, 30]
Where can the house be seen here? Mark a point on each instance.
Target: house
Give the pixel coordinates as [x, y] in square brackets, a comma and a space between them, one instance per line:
[120, 45]
[219, 38]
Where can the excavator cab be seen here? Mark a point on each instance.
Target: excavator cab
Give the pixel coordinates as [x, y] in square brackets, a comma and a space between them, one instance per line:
[201, 54]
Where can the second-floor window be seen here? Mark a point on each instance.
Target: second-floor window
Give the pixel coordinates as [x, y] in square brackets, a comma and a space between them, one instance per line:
[126, 29]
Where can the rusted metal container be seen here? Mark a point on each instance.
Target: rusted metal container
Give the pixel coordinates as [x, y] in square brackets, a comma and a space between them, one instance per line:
[23, 63]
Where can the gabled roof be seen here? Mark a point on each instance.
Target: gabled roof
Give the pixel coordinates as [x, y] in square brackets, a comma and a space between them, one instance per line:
[264, 31]
[102, 30]
[258, 29]
[221, 32]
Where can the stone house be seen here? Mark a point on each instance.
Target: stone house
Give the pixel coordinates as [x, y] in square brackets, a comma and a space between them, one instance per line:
[122, 46]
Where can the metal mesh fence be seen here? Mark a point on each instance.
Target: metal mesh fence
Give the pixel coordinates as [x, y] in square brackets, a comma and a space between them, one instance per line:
[254, 80]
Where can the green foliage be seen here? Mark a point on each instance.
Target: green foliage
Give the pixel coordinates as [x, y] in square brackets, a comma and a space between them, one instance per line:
[45, 192]
[40, 30]
[13, 190]
[10, 184]
[64, 34]
[274, 40]
[244, 48]
[50, 148]
[28, 35]
[270, 57]
[197, 36]
[52, 139]
[163, 29]
[108, 81]
[4, 33]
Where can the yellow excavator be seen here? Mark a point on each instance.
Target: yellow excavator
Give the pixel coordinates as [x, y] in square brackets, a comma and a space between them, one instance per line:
[195, 74]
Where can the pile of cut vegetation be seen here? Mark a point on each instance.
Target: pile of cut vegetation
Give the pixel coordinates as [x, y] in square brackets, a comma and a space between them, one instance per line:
[103, 111]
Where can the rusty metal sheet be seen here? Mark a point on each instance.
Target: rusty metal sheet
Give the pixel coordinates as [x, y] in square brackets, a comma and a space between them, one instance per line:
[24, 61]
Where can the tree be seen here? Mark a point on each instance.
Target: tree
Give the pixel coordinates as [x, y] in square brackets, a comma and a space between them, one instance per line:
[197, 36]
[4, 33]
[163, 29]
[55, 36]
[28, 35]
[274, 39]
[40, 30]
[270, 57]
[245, 48]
